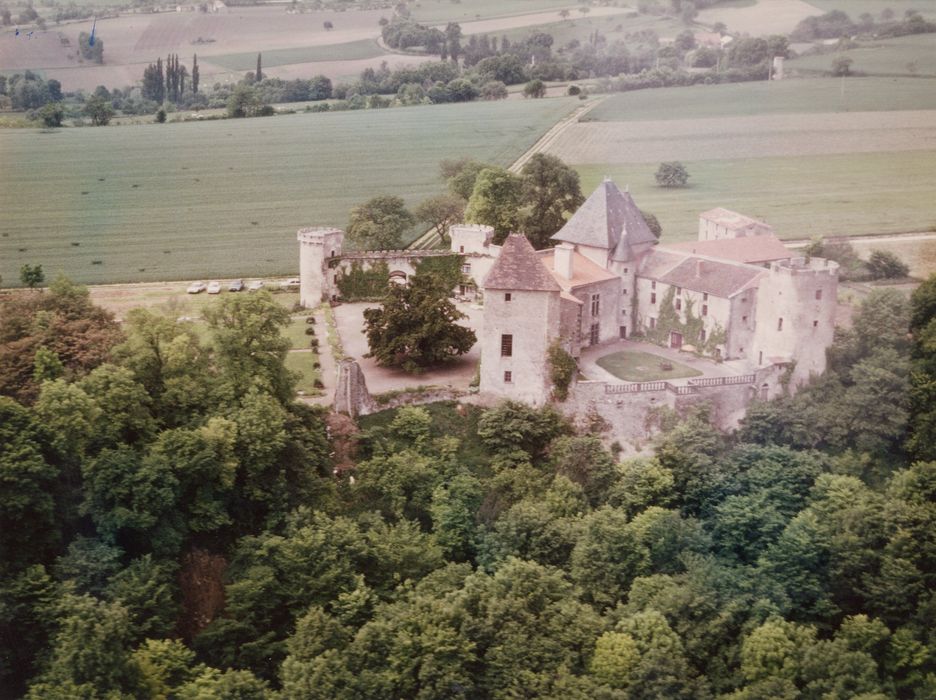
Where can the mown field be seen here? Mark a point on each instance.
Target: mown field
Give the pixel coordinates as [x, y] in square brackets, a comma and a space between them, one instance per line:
[225, 198]
[780, 97]
[907, 55]
[802, 197]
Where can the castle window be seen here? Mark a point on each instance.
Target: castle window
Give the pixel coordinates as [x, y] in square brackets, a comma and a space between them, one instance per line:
[625, 270]
[760, 357]
[506, 346]
[744, 319]
[653, 284]
[702, 335]
[461, 249]
[815, 324]
[652, 323]
[333, 253]
[653, 297]
[704, 296]
[678, 304]
[705, 309]
[623, 312]
[678, 291]
[818, 294]
[779, 324]
[507, 296]
[595, 303]
[594, 334]
[466, 268]
[508, 377]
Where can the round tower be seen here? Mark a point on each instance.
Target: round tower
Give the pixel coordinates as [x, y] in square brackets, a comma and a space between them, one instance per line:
[316, 247]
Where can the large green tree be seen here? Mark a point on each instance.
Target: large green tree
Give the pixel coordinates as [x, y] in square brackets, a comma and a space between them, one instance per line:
[496, 201]
[416, 326]
[551, 192]
[380, 223]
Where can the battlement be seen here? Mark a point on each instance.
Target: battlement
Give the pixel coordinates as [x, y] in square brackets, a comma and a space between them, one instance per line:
[316, 234]
[393, 254]
[802, 265]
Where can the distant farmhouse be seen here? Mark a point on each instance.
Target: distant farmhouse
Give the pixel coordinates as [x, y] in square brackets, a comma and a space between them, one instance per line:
[737, 296]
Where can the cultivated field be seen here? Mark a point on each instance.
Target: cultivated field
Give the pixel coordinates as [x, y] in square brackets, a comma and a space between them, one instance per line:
[780, 97]
[441, 11]
[759, 18]
[906, 55]
[802, 197]
[612, 27]
[225, 198]
[854, 8]
[745, 137]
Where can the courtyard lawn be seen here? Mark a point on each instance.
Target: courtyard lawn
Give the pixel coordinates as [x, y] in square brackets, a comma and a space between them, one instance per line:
[637, 366]
[304, 364]
[224, 199]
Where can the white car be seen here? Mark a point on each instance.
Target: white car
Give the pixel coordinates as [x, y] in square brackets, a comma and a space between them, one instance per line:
[255, 285]
[290, 283]
[196, 287]
[214, 287]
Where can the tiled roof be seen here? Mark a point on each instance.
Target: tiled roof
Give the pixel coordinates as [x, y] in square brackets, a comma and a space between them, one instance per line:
[608, 219]
[721, 279]
[519, 267]
[658, 262]
[584, 271]
[750, 249]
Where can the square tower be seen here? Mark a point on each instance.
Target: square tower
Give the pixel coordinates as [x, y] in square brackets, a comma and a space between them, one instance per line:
[316, 247]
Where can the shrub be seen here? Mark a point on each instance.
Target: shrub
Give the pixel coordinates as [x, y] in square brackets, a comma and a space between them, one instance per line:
[884, 264]
[562, 369]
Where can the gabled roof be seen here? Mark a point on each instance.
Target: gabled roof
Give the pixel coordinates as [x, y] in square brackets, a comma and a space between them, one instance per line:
[749, 249]
[519, 267]
[721, 279]
[608, 219]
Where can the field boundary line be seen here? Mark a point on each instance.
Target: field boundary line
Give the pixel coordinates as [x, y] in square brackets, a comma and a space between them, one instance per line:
[431, 238]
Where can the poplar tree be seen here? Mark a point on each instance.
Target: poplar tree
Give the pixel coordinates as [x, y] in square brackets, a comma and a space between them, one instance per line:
[259, 75]
[195, 74]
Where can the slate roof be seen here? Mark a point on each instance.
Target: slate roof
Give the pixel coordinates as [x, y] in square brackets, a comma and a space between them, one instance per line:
[608, 219]
[750, 249]
[721, 279]
[519, 267]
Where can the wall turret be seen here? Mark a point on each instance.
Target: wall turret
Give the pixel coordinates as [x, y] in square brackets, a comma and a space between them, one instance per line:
[316, 247]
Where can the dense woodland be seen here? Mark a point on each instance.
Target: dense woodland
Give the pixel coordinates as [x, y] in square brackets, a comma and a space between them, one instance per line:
[499, 553]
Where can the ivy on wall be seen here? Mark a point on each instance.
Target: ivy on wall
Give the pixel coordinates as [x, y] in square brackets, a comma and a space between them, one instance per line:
[691, 329]
[447, 267]
[562, 369]
[364, 284]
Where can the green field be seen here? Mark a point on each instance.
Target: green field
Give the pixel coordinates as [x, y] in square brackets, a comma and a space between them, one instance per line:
[801, 197]
[781, 97]
[906, 55]
[635, 366]
[435, 11]
[854, 8]
[225, 198]
[364, 48]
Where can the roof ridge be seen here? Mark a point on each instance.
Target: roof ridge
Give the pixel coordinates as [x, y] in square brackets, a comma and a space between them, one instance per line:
[519, 267]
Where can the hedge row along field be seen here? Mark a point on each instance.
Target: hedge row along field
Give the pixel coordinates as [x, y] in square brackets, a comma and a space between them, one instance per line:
[225, 198]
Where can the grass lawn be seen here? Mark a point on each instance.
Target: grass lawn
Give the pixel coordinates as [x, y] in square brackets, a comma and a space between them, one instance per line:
[225, 198]
[906, 55]
[303, 363]
[781, 97]
[363, 48]
[801, 197]
[643, 367]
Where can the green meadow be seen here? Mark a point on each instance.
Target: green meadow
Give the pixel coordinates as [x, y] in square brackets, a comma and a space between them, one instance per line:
[225, 198]
[802, 197]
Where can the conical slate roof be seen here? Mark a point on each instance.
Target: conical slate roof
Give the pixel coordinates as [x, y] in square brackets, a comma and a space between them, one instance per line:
[608, 219]
[519, 267]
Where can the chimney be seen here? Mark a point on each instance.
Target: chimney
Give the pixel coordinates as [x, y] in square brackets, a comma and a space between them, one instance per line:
[562, 262]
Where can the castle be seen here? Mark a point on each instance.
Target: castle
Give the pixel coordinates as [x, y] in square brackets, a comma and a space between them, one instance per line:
[736, 294]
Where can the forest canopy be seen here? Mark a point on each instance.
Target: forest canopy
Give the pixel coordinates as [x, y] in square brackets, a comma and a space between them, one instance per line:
[172, 527]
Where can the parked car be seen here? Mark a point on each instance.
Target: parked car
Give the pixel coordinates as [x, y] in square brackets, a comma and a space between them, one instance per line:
[255, 285]
[290, 283]
[196, 287]
[214, 287]
[236, 286]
